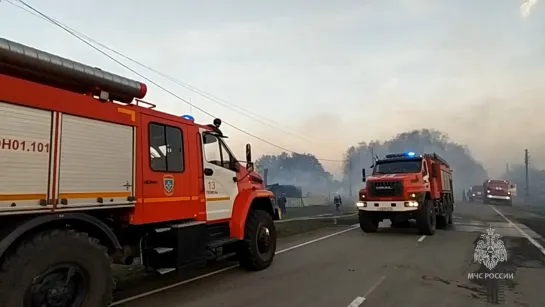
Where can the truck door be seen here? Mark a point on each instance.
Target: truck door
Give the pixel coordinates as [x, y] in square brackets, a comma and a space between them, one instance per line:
[220, 183]
[166, 179]
[425, 174]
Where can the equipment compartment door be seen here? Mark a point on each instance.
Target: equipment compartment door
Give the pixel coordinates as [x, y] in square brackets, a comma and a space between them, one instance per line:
[25, 155]
[166, 173]
[219, 177]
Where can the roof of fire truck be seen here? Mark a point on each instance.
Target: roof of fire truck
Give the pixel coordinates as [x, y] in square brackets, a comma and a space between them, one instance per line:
[411, 155]
[24, 62]
[496, 181]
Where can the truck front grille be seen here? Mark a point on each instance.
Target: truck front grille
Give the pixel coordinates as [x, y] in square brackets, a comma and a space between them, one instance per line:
[386, 188]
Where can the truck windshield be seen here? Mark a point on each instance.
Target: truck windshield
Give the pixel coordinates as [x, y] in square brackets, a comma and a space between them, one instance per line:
[398, 167]
[498, 184]
[477, 188]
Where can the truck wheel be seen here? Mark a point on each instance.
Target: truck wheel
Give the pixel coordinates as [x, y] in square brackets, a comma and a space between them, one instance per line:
[256, 251]
[57, 268]
[426, 219]
[367, 223]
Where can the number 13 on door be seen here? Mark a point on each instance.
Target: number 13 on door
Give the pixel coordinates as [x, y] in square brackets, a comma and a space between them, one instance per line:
[211, 185]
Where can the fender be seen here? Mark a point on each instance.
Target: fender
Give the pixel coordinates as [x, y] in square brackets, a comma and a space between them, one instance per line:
[243, 203]
[97, 228]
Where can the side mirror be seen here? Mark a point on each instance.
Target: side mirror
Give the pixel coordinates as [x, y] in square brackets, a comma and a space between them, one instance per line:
[363, 179]
[250, 167]
[248, 153]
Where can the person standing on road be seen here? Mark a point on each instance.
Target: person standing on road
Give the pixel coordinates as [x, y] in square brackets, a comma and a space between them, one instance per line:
[282, 203]
[469, 194]
[337, 201]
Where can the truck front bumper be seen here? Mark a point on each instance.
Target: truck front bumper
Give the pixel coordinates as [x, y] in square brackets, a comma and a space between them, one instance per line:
[388, 206]
[498, 197]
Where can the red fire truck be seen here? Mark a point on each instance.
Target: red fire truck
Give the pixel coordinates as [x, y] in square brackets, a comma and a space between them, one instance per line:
[497, 191]
[90, 175]
[407, 186]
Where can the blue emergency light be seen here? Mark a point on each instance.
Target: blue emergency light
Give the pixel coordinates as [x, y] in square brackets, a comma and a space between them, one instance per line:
[410, 154]
[188, 117]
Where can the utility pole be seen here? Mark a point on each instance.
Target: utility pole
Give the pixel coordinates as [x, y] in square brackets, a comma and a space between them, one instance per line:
[526, 162]
[507, 169]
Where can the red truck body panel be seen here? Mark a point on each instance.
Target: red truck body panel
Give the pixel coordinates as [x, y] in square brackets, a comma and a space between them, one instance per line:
[187, 200]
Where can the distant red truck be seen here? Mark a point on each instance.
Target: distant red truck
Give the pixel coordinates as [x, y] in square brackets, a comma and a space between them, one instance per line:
[497, 191]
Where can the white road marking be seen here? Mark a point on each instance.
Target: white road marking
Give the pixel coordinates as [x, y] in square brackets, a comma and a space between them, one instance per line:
[522, 232]
[421, 238]
[141, 295]
[317, 239]
[357, 301]
[375, 286]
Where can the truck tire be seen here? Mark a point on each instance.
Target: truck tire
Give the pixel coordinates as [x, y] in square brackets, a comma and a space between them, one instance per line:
[444, 220]
[367, 223]
[256, 251]
[426, 219]
[63, 260]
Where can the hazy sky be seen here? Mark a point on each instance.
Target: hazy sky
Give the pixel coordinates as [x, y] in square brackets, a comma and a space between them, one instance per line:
[337, 72]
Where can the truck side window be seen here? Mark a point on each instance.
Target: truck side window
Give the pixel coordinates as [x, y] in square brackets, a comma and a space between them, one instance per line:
[216, 152]
[166, 148]
[227, 159]
[212, 150]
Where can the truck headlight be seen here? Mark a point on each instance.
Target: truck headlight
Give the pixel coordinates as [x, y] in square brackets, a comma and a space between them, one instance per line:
[412, 195]
[411, 204]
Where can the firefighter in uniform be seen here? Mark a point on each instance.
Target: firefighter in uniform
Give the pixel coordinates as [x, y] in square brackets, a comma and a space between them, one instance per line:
[337, 201]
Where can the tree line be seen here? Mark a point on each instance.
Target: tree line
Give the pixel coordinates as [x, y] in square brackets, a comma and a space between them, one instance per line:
[306, 171]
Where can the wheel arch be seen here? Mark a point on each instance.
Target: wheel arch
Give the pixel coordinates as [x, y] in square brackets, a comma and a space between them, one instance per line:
[78, 221]
[247, 201]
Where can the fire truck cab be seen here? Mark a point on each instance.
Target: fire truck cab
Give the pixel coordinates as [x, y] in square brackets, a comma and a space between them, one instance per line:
[92, 175]
[404, 187]
[497, 191]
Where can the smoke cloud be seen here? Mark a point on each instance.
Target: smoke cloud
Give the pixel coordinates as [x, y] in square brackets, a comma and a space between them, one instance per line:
[526, 7]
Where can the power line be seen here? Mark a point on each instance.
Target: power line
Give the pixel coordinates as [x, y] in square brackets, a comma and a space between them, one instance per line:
[73, 33]
[261, 119]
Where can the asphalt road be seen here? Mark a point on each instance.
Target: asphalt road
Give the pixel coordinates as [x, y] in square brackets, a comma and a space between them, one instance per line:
[394, 267]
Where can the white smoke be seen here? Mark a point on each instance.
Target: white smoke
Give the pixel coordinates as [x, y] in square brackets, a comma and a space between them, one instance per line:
[526, 7]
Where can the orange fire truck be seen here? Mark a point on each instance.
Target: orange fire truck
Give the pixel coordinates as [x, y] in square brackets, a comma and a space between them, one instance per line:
[90, 175]
[407, 186]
